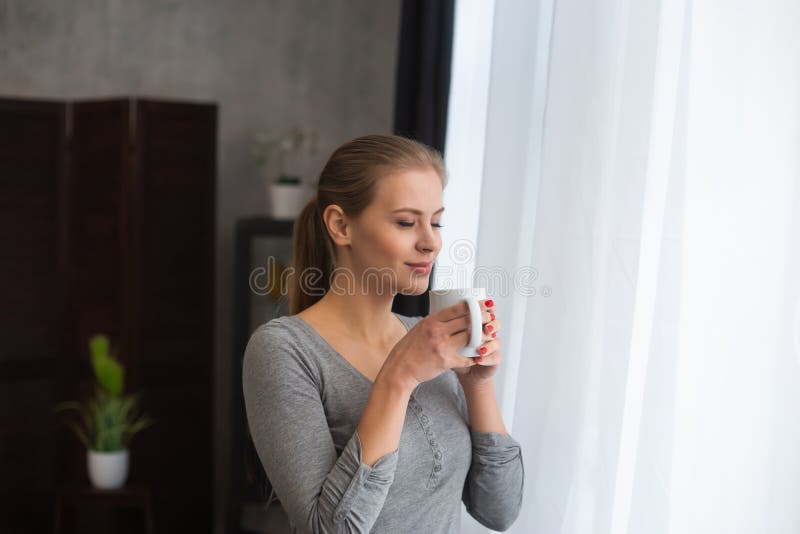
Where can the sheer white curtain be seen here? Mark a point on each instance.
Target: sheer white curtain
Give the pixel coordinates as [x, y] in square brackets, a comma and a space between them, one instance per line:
[634, 167]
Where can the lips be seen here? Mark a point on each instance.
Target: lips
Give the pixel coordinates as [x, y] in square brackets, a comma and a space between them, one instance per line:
[421, 267]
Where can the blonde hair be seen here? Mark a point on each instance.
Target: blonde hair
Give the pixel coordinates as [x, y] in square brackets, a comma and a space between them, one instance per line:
[347, 180]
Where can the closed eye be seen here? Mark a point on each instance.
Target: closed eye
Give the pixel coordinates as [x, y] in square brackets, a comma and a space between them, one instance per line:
[410, 224]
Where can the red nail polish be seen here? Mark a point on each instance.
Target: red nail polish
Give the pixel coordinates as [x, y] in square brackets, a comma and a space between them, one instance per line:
[494, 335]
[489, 328]
[479, 359]
[492, 316]
[482, 350]
[489, 303]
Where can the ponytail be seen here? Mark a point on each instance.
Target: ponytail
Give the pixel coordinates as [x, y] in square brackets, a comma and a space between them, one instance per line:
[312, 259]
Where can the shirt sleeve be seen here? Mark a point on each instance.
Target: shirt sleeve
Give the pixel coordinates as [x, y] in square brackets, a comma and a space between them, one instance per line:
[319, 492]
[496, 477]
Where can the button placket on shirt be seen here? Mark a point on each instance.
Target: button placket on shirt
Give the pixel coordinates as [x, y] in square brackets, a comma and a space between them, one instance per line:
[425, 422]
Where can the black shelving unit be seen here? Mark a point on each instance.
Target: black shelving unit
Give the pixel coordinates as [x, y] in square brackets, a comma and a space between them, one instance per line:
[248, 480]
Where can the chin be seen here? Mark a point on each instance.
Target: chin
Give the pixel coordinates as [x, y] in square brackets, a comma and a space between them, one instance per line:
[415, 287]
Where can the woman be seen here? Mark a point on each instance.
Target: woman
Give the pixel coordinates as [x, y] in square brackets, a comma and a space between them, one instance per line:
[366, 420]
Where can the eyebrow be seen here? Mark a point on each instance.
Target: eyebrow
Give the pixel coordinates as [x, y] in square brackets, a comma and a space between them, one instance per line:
[418, 212]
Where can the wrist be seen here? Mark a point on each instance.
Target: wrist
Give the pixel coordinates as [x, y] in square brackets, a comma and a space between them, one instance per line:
[395, 381]
[479, 387]
[482, 408]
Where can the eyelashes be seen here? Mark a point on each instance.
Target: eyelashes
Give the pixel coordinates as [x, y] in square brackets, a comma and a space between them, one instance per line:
[410, 224]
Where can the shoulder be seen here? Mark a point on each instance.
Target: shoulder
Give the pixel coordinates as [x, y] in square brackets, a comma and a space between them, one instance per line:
[280, 332]
[279, 348]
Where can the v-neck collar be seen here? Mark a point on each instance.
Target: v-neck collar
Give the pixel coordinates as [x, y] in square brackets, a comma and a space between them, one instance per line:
[306, 325]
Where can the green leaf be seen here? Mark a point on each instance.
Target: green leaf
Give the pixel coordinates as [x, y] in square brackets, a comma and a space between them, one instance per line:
[109, 372]
[139, 425]
[99, 345]
[126, 407]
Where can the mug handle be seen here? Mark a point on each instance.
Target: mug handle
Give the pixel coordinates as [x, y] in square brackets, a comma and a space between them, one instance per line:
[476, 329]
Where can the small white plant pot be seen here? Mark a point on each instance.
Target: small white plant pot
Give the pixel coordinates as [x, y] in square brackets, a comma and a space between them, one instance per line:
[107, 470]
[286, 200]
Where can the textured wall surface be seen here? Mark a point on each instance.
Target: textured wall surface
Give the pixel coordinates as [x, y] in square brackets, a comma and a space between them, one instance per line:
[270, 65]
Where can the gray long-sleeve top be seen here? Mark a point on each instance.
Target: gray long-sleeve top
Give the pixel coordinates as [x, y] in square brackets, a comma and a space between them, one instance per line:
[304, 401]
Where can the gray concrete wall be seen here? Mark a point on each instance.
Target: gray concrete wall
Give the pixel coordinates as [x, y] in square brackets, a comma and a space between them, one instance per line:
[270, 65]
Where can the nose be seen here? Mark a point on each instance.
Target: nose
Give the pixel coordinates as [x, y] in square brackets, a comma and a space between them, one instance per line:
[429, 241]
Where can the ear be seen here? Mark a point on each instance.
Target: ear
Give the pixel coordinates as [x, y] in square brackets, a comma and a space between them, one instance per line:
[337, 224]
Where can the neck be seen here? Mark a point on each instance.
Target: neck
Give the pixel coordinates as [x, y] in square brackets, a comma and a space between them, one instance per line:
[366, 317]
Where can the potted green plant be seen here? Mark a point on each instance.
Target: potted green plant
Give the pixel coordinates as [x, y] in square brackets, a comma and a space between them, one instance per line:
[107, 422]
[286, 192]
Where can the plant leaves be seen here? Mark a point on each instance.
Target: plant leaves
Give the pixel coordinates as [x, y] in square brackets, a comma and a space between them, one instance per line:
[140, 424]
[109, 419]
[109, 372]
[99, 345]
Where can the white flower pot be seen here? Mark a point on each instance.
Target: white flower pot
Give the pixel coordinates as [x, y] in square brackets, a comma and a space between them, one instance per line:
[286, 200]
[107, 470]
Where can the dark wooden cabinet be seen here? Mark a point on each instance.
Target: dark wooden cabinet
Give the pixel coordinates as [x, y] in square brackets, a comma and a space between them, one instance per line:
[107, 218]
[32, 149]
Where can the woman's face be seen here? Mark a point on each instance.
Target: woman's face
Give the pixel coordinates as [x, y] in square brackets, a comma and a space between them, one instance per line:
[399, 227]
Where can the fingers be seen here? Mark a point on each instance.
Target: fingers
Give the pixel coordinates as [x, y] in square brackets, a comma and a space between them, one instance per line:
[458, 318]
[489, 353]
[458, 360]
[491, 325]
[462, 336]
[488, 307]
[490, 329]
[459, 339]
[455, 311]
[455, 321]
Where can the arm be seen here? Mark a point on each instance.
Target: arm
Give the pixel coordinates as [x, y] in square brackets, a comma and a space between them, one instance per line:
[482, 408]
[383, 417]
[493, 489]
[320, 492]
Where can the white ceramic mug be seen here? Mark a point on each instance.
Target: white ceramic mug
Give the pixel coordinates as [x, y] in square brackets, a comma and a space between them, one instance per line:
[443, 298]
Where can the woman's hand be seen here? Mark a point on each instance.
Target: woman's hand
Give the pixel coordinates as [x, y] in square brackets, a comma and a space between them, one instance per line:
[489, 351]
[430, 348]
